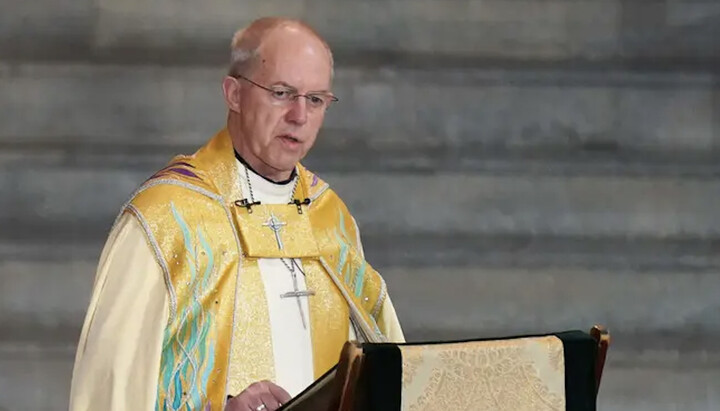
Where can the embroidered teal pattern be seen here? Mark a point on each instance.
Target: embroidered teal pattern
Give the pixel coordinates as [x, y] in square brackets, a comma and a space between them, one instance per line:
[188, 355]
[344, 243]
[359, 278]
[353, 279]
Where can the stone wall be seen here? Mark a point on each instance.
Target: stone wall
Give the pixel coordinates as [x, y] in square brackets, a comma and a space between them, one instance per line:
[543, 165]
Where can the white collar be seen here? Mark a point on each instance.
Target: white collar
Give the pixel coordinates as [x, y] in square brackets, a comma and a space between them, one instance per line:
[263, 190]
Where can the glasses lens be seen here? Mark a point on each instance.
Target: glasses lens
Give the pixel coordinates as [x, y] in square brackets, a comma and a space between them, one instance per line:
[283, 94]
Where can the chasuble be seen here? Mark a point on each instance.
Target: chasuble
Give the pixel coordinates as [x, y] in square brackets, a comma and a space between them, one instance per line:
[201, 291]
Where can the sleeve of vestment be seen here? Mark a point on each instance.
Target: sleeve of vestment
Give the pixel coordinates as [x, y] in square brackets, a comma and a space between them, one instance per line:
[118, 356]
[392, 329]
[388, 317]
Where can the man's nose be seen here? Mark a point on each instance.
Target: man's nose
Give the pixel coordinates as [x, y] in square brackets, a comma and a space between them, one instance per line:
[298, 111]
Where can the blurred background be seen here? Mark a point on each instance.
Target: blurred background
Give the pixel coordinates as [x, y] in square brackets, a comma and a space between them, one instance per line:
[515, 166]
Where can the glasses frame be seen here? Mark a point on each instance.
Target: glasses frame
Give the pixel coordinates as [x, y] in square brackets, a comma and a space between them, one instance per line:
[294, 96]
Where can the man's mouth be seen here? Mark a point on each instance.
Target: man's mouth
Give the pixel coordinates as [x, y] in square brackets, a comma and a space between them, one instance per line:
[290, 139]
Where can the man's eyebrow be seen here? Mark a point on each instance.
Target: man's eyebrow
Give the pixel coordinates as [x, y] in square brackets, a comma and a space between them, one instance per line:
[284, 84]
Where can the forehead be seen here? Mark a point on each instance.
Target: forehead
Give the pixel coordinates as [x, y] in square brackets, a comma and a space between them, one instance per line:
[295, 57]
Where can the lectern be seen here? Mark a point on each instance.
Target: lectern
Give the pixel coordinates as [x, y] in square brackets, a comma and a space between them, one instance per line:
[550, 372]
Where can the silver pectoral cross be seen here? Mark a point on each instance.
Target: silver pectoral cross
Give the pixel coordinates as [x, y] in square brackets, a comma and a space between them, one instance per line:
[276, 225]
[297, 293]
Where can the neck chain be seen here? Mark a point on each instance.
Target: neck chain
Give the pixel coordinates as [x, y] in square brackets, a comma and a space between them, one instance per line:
[250, 189]
[293, 264]
[291, 267]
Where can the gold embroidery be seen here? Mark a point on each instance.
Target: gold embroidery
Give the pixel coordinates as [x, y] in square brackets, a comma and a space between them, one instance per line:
[252, 356]
[506, 375]
[329, 317]
[412, 360]
[258, 231]
[359, 281]
[204, 187]
[557, 360]
[197, 253]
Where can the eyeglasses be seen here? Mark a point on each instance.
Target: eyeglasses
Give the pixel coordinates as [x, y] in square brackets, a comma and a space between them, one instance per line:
[285, 95]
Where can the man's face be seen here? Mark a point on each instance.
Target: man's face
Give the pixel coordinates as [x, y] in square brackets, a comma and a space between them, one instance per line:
[276, 129]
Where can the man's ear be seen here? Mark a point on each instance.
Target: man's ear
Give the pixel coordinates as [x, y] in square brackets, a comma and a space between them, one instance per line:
[231, 91]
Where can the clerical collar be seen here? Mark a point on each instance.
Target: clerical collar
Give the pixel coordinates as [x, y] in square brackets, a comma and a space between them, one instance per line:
[280, 183]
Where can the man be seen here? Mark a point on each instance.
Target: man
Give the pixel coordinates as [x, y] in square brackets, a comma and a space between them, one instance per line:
[233, 276]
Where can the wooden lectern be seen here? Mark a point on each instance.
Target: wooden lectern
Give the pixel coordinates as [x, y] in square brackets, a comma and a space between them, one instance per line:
[559, 371]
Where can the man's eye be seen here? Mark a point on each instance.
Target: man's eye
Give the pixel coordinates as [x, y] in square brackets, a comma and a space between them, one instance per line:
[281, 94]
[316, 100]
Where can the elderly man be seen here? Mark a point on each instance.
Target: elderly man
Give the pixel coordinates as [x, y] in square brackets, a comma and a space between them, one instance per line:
[233, 276]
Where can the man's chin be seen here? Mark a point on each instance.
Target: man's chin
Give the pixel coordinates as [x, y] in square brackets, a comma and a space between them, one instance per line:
[287, 162]
[285, 167]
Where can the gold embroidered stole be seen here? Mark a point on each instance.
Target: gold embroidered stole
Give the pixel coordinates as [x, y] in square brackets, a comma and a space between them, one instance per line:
[217, 340]
[285, 231]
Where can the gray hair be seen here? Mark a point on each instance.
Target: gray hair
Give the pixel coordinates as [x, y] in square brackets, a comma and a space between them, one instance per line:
[241, 60]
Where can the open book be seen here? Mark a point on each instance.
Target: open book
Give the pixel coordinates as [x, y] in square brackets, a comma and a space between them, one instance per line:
[317, 397]
[559, 371]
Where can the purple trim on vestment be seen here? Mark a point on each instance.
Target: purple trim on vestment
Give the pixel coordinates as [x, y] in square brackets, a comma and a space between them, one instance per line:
[176, 164]
[186, 173]
[182, 163]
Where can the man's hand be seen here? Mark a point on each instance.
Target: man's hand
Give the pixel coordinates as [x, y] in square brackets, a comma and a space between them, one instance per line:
[260, 396]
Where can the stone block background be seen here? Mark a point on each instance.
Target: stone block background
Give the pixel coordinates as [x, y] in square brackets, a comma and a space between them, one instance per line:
[543, 165]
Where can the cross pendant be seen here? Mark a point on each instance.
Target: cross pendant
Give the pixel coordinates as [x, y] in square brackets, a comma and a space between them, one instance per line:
[297, 293]
[275, 225]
